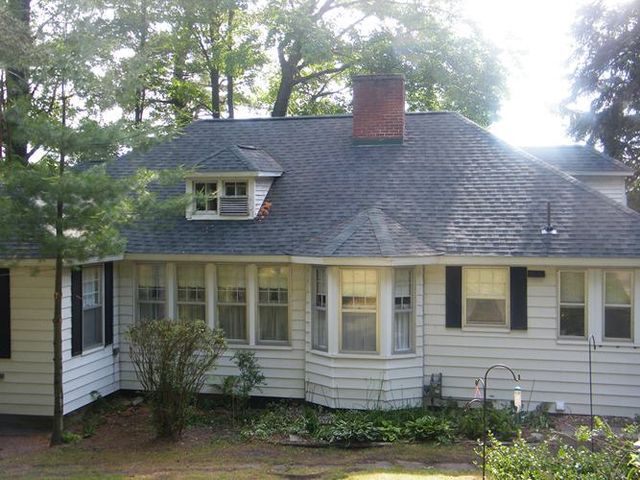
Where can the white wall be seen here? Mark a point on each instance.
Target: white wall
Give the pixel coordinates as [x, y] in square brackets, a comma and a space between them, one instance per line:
[27, 387]
[551, 369]
[612, 187]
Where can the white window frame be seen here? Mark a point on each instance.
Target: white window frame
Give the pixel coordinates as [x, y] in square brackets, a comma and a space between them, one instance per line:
[245, 304]
[206, 182]
[585, 305]
[164, 302]
[100, 281]
[315, 308]
[221, 182]
[341, 310]
[258, 304]
[178, 302]
[630, 306]
[412, 312]
[507, 300]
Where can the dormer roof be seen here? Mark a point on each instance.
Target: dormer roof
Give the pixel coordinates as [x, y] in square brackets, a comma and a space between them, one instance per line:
[240, 158]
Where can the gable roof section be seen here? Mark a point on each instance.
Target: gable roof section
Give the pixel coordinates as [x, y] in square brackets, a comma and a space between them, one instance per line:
[580, 160]
[369, 233]
[239, 158]
[451, 186]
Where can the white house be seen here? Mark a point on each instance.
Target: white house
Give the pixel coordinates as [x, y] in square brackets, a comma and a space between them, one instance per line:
[359, 257]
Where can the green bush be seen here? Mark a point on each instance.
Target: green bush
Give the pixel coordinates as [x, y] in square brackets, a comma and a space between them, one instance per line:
[503, 423]
[238, 388]
[172, 360]
[612, 460]
[350, 428]
[431, 428]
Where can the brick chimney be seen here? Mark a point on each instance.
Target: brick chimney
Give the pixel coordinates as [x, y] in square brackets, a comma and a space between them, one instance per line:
[378, 109]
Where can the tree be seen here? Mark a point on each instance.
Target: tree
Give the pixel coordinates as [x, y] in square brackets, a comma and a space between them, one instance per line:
[64, 205]
[607, 74]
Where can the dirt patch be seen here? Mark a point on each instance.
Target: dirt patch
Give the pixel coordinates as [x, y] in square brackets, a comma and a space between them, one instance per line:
[28, 443]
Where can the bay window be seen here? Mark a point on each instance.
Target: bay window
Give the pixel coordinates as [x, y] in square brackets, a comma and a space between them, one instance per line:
[92, 303]
[618, 292]
[359, 305]
[485, 296]
[402, 310]
[151, 291]
[232, 302]
[319, 327]
[273, 304]
[191, 299]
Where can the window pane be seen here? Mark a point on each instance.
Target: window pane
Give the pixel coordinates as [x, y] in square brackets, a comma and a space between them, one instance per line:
[486, 311]
[92, 327]
[572, 321]
[233, 320]
[192, 312]
[151, 281]
[572, 287]
[150, 311]
[618, 288]
[486, 282]
[359, 332]
[191, 283]
[319, 328]
[273, 323]
[617, 322]
[359, 289]
[402, 329]
[273, 285]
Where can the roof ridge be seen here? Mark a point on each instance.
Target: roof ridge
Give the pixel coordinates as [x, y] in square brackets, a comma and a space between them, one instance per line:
[356, 221]
[307, 117]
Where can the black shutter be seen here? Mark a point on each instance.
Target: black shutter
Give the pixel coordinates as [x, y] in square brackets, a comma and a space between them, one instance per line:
[108, 303]
[518, 298]
[5, 313]
[454, 297]
[76, 312]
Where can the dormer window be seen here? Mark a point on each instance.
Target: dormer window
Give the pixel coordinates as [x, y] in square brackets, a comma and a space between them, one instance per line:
[207, 197]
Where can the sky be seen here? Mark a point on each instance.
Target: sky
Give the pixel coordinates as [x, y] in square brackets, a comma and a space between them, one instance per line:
[536, 40]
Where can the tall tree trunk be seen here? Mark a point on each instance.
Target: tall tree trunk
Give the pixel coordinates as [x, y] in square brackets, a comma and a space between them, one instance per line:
[214, 77]
[58, 399]
[17, 94]
[288, 72]
[229, 64]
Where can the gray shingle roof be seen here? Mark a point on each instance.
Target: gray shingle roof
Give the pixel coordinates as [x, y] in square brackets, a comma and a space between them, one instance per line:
[239, 158]
[451, 187]
[580, 159]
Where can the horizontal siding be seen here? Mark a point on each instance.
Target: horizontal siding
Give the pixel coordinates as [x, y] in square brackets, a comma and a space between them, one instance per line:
[612, 187]
[550, 370]
[27, 387]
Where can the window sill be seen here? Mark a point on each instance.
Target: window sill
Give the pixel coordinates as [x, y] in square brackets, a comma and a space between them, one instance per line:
[581, 342]
[488, 329]
[246, 346]
[364, 356]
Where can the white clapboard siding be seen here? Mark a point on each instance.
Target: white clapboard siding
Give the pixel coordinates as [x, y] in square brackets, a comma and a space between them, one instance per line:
[551, 369]
[612, 187]
[283, 367]
[368, 381]
[263, 184]
[91, 373]
[27, 387]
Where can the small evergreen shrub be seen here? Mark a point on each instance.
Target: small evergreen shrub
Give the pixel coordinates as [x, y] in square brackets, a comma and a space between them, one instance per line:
[238, 388]
[503, 423]
[172, 360]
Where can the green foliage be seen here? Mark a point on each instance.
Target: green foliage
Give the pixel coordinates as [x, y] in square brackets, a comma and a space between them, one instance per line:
[537, 419]
[613, 459]
[70, 437]
[503, 423]
[348, 428]
[250, 379]
[430, 428]
[172, 360]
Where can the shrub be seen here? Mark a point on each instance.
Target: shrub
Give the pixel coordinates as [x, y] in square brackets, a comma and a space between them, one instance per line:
[429, 427]
[172, 360]
[501, 422]
[350, 428]
[238, 388]
[540, 462]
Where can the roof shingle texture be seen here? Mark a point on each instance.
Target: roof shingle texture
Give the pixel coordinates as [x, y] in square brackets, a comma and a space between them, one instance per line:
[451, 188]
[575, 159]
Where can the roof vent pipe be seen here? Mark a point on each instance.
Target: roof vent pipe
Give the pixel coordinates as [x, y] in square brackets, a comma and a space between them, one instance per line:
[549, 229]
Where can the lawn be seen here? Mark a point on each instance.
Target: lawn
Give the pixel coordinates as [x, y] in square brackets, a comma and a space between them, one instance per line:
[122, 446]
